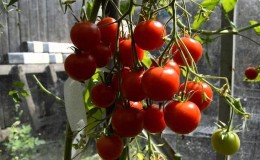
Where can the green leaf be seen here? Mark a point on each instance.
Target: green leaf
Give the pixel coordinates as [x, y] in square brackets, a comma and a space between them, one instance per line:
[124, 6]
[257, 29]
[12, 2]
[24, 93]
[207, 7]
[89, 7]
[18, 84]
[228, 5]
[147, 60]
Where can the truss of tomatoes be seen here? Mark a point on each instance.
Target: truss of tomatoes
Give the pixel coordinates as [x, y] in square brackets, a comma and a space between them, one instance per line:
[130, 87]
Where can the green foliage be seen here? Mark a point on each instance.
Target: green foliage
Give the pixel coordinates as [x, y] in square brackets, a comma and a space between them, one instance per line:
[18, 92]
[147, 60]
[21, 144]
[206, 8]
[228, 5]
[257, 29]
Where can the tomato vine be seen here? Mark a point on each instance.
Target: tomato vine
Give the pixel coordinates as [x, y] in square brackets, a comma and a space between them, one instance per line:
[158, 83]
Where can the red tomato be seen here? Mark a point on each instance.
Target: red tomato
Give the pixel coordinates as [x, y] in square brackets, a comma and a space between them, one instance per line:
[80, 66]
[169, 63]
[102, 96]
[154, 119]
[193, 46]
[126, 53]
[109, 147]
[182, 117]
[115, 79]
[131, 86]
[148, 35]
[102, 54]
[200, 93]
[251, 73]
[108, 29]
[127, 122]
[85, 35]
[160, 83]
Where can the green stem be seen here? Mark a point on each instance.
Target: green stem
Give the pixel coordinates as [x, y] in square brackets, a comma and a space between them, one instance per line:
[68, 143]
[47, 91]
[230, 120]
[95, 9]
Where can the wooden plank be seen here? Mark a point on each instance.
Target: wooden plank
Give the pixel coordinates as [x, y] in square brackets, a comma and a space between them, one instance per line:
[24, 20]
[4, 42]
[33, 21]
[32, 68]
[42, 20]
[13, 31]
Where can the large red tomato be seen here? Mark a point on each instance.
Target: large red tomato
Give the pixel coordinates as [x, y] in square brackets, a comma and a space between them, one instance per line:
[182, 117]
[160, 83]
[109, 147]
[131, 86]
[154, 119]
[193, 46]
[102, 54]
[127, 122]
[80, 66]
[102, 96]
[126, 53]
[148, 35]
[108, 29]
[85, 35]
[200, 93]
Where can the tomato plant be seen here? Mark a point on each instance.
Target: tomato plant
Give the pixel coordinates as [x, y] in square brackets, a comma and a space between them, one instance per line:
[85, 35]
[109, 147]
[187, 46]
[225, 142]
[153, 74]
[80, 66]
[199, 93]
[182, 117]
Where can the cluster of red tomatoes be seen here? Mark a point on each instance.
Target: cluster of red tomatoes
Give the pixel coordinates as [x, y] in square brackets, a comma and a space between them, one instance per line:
[141, 97]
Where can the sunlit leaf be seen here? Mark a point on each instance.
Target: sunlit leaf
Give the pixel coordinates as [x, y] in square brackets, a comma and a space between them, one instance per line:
[147, 60]
[207, 7]
[257, 29]
[228, 5]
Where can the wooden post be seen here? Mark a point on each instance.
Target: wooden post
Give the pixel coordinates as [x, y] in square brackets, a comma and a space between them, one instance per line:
[227, 59]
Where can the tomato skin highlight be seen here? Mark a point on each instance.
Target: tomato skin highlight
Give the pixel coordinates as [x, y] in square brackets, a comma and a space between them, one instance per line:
[80, 66]
[200, 93]
[160, 83]
[251, 73]
[126, 53]
[127, 122]
[154, 119]
[182, 117]
[225, 143]
[108, 29]
[194, 47]
[102, 96]
[109, 147]
[148, 35]
[85, 35]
